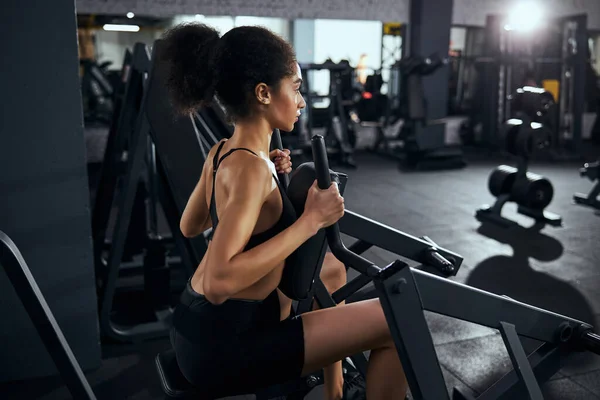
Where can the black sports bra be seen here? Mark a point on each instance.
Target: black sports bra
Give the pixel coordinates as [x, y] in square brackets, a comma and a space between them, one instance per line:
[288, 213]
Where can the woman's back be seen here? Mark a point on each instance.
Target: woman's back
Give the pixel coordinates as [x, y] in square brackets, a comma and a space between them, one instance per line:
[223, 164]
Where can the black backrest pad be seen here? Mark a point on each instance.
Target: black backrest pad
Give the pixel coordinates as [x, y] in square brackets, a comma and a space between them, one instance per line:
[303, 265]
[174, 136]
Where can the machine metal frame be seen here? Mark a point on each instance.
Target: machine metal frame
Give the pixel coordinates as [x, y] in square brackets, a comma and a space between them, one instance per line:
[406, 292]
[43, 319]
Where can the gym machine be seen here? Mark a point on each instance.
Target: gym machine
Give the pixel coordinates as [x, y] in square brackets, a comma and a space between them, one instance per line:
[524, 136]
[555, 58]
[97, 92]
[592, 172]
[132, 137]
[420, 142]
[406, 292]
[334, 117]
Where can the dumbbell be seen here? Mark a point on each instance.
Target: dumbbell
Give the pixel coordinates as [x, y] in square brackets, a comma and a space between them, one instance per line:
[535, 103]
[532, 190]
[523, 138]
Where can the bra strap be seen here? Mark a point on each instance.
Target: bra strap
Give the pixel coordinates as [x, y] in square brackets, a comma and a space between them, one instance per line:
[216, 163]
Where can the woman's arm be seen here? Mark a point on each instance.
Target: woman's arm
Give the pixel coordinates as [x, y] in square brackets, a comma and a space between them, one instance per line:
[229, 269]
[195, 218]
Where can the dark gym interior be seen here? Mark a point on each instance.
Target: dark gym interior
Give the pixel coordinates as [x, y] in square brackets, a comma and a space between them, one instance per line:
[482, 157]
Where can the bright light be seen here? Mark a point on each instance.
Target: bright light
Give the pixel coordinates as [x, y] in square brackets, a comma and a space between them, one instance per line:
[514, 121]
[199, 16]
[130, 15]
[536, 125]
[121, 28]
[525, 16]
[531, 89]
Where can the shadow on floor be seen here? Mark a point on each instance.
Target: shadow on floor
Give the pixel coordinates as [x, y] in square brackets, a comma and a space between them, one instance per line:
[514, 276]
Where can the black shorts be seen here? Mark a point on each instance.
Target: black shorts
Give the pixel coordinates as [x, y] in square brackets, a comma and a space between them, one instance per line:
[238, 347]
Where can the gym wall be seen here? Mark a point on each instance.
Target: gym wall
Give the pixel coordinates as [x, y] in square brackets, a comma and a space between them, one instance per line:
[376, 10]
[467, 12]
[110, 46]
[44, 198]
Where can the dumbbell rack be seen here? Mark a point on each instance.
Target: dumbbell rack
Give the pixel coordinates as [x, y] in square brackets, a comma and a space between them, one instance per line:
[515, 184]
[591, 171]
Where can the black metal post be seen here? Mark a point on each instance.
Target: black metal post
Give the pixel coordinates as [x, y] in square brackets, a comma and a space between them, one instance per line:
[401, 302]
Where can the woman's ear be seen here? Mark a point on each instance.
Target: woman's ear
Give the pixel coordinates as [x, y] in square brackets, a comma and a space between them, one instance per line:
[262, 93]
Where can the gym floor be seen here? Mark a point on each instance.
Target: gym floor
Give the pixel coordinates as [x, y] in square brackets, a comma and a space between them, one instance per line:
[555, 268]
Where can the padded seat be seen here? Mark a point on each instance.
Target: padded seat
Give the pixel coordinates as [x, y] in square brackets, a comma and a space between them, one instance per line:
[174, 384]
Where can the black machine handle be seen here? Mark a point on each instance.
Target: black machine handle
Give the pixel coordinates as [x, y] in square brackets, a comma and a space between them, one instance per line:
[278, 144]
[333, 232]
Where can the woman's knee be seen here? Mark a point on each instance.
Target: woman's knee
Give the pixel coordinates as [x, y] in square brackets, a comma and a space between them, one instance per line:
[337, 332]
[333, 273]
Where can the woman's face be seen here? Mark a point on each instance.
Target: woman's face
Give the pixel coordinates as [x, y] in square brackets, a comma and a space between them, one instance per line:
[287, 102]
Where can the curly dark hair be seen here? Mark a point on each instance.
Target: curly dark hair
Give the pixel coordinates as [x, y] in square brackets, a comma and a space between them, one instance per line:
[202, 65]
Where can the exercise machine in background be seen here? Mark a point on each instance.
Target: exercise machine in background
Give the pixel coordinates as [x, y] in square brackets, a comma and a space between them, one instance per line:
[525, 135]
[554, 58]
[326, 112]
[97, 92]
[420, 142]
[131, 189]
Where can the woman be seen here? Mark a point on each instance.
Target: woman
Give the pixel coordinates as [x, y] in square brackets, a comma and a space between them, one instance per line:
[233, 333]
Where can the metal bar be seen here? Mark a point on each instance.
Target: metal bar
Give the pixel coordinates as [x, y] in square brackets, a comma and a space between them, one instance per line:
[591, 342]
[578, 84]
[360, 246]
[350, 288]
[42, 318]
[545, 362]
[152, 189]
[304, 305]
[309, 104]
[403, 309]
[488, 309]
[322, 296]
[519, 360]
[391, 239]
